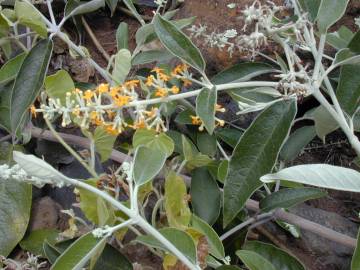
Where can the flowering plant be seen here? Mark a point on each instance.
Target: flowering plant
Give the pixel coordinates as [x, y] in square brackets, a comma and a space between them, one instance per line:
[212, 168]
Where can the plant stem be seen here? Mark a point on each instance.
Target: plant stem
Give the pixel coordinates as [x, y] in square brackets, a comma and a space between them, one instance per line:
[71, 151]
[244, 224]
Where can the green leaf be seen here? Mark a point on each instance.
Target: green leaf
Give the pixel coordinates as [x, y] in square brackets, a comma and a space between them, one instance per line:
[152, 56]
[151, 139]
[122, 36]
[112, 259]
[286, 198]
[176, 205]
[50, 252]
[10, 69]
[355, 262]
[280, 259]
[254, 261]
[205, 108]
[230, 136]
[296, 142]
[255, 155]
[73, 8]
[206, 143]
[112, 6]
[178, 238]
[188, 148]
[228, 267]
[15, 206]
[145, 168]
[242, 72]
[205, 196]
[348, 91]
[222, 170]
[310, 6]
[319, 175]
[58, 84]
[330, 12]
[341, 38]
[129, 4]
[185, 117]
[324, 122]
[29, 81]
[104, 143]
[29, 16]
[216, 247]
[37, 167]
[199, 160]
[79, 253]
[178, 43]
[354, 44]
[5, 100]
[35, 240]
[122, 65]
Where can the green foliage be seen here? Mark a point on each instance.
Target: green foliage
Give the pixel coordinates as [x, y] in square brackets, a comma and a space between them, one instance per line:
[122, 65]
[15, 205]
[151, 139]
[176, 204]
[278, 258]
[330, 11]
[29, 16]
[178, 43]
[146, 168]
[355, 262]
[205, 196]
[58, 84]
[104, 143]
[34, 241]
[29, 81]
[79, 253]
[122, 36]
[255, 155]
[205, 108]
[178, 238]
[254, 261]
[320, 175]
[286, 198]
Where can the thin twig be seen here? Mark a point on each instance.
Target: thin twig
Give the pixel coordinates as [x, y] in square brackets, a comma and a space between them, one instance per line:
[96, 42]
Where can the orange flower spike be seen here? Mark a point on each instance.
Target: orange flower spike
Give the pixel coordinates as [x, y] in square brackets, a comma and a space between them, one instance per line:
[150, 80]
[103, 88]
[33, 110]
[110, 130]
[88, 95]
[161, 92]
[175, 90]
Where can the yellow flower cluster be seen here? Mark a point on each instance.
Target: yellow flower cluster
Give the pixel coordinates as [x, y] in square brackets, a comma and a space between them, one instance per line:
[116, 107]
[160, 80]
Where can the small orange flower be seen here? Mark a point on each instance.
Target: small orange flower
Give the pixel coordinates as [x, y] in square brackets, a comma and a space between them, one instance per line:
[161, 92]
[103, 88]
[175, 90]
[186, 82]
[114, 91]
[110, 114]
[110, 130]
[163, 77]
[179, 69]
[138, 124]
[132, 83]
[122, 100]
[195, 120]
[157, 70]
[33, 110]
[150, 80]
[88, 95]
[151, 113]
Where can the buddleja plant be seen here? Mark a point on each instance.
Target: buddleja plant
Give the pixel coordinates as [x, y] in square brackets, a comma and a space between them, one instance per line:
[150, 104]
